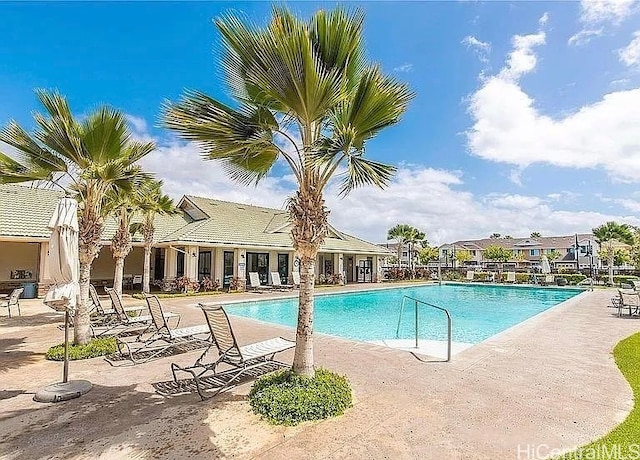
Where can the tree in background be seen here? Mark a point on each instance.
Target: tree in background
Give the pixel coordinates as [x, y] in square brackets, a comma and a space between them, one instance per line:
[634, 254]
[608, 233]
[399, 234]
[296, 78]
[498, 254]
[495, 235]
[552, 256]
[87, 158]
[428, 253]
[122, 205]
[412, 238]
[535, 235]
[151, 202]
[463, 256]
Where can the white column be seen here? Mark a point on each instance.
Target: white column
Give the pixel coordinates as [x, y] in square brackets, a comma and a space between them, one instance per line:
[43, 269]
[170, 263]
[241, 257]
[217, 264]
[191, 262]
[377, 269]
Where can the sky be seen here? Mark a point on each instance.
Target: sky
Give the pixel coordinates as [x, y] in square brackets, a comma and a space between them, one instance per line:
[526, 115]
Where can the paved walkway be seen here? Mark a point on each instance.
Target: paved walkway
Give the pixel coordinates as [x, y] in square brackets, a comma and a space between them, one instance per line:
[550, 381]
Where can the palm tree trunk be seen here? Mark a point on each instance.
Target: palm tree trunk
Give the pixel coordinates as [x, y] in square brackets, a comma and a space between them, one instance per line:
[611, 256]
[303, 358]
[81, 322]
[146, 273]
[118, 275]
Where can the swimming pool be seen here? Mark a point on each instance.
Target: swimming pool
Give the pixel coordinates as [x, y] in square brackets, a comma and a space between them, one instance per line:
[477, 311]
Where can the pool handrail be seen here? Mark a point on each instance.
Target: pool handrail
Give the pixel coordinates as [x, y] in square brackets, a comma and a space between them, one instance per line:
[422, 302]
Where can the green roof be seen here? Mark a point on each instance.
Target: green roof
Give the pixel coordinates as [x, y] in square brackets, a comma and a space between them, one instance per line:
[25, 212]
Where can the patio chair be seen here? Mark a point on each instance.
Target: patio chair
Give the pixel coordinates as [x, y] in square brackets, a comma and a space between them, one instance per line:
[256, 286]
[629, 300]
[511, 277]
[241, 359]
[96, 305]
[636, 284]
[163, 337]
[470, 275]
[12, 300]
[296, 278]
[275, 282]
[548, 279]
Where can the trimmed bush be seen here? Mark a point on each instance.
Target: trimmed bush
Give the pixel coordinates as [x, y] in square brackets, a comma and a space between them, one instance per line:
[285, 398]
[96, 347]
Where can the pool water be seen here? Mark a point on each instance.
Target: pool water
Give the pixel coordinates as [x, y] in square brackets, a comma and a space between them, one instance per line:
[477, 311]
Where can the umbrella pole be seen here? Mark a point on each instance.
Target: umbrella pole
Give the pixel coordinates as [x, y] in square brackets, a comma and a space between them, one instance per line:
[65, 373]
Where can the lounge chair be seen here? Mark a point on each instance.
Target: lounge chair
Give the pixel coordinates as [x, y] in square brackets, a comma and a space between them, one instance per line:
[12, 300]
[549, 279]
[144, 349]
[241, 359]
[470, 275]
[511, 277]
[124, 323]
[629, 300]
[256, 286]
[636, 284]
[275, 282]
[100, 311]
[296, 278]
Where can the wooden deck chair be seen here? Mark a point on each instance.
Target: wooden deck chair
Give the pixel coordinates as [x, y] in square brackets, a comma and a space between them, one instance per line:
[163, 337]
[13, 300]
[240, 360]
[277, 284]
[256, 286]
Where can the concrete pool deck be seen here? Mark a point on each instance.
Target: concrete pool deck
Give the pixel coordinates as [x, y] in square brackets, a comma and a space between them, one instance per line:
[550, 381]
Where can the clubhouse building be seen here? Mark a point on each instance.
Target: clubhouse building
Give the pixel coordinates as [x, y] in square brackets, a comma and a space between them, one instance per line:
[207, 238]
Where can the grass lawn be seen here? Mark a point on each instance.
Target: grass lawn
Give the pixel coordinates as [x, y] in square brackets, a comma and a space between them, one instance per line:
[624, 440]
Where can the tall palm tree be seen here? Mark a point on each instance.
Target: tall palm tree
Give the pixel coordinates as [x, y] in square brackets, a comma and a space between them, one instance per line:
[413, 237]
[88, 157]
[610, 232]
[123, 206]
[399, 233]
[304, 79]
[151, 202]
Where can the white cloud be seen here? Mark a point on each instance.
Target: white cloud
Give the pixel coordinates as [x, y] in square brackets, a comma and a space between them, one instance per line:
[515, 176]
[601, 12]
[522, 59]
[612, 11]
[630, 55]
[407, 67]
[620, 82]
[626, 203]
[509, 128]
[480, 48]
[543, 19]
[584, 36]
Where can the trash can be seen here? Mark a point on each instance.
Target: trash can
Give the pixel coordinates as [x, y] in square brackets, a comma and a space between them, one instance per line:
[30, 290]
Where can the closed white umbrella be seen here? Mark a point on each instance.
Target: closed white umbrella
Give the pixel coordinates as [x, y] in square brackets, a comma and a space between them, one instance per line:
[544, 265]
[64, 268]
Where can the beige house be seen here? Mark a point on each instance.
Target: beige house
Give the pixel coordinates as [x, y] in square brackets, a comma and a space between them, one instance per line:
[208, 238]
[526, 252]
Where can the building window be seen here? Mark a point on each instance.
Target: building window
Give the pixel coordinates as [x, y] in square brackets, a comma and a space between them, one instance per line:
[473, 252]
[404, 253]
[258, 262]
[534, 252]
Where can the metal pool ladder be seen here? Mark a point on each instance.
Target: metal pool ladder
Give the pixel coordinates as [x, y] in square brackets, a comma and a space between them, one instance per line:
[417, 303]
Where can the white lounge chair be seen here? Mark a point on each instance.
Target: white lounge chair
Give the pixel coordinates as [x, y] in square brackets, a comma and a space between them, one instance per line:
[470, 275]
[242, 359]
[13, 300]
[277, 284]
[511, 277]
[296, 278]
[143, 349]
[256, 286]
[549, 279]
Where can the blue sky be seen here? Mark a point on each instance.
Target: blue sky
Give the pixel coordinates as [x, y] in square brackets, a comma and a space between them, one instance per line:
[526, 116]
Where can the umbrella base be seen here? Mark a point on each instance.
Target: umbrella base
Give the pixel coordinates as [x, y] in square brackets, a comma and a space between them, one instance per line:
[59, 392]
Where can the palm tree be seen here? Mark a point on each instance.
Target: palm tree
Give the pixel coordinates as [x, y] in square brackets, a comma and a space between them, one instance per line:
[123, 206]
[399, 233]
[413, 237]
[608, 233]
[535, 235]
[88, 157]
[296, 78]
[151, 202]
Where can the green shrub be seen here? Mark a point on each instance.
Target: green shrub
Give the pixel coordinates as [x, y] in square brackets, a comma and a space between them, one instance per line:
[285, 398]
[96, 347]
[574, 278]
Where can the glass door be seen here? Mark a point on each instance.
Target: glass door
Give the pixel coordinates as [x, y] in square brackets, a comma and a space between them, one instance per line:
[227, 272]
[258, 262]
[283, 268]
[204, 265]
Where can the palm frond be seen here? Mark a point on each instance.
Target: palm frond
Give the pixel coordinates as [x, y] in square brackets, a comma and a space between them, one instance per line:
[361, 171]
